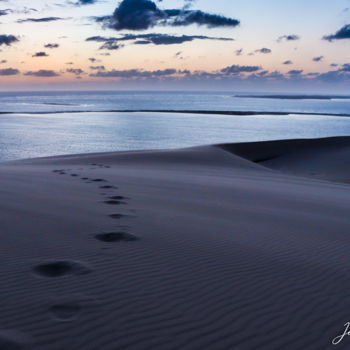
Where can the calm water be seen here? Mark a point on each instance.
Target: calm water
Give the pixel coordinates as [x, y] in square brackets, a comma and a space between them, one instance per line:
[35, 135]
[106, 100]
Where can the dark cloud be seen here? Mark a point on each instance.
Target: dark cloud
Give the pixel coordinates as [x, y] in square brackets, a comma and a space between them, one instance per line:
[239, 52]
[318, 59]
[111, 45]
[76, 71]
[40, 54]
[135, 73]
[295, 72]
[51, 46]
[340, 75]
[288, 62]
[43, 73]
[343, 33]
[9, 71]
[236, 69]
[86, 2]
[345, 68]
[263, 50]
[5, 12]
[331, 77]
[136, 15]
[230, 75]
[291, 37]
[40, 20]
[3, 61]
[185, 18]
[151, 38]
[97, 67]
[145, 14]
[334, 65]
[7, 39]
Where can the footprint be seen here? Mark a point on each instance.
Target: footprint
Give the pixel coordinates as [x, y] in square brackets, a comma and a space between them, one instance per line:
[84, 178]
[117, 216]
[117, 197]
[98, 180]
[74, 175]
[58, 170]
[116, 237]
[114, 202]
[65, 311]
[107, 186]
[61, 268]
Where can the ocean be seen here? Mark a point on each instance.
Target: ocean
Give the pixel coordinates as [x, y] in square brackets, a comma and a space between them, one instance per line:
[37, 124]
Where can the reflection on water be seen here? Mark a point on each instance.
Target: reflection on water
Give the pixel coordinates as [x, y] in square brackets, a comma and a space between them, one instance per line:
[27, 136]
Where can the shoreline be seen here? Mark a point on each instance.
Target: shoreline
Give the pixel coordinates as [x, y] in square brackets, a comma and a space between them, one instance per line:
[237, 113]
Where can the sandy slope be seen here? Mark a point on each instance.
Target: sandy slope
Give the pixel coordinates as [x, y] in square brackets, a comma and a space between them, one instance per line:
[212, 247]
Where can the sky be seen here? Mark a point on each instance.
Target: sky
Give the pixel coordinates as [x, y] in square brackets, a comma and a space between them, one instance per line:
[260, 45]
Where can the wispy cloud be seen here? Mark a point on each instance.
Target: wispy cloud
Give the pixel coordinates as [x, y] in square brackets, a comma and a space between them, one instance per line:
[43, 73]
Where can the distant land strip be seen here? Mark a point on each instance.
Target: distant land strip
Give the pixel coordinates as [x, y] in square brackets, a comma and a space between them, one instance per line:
[297, 97]
[237, 113]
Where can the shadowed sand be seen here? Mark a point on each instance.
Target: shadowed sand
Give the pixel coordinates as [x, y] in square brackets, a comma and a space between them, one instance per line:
[241, 246]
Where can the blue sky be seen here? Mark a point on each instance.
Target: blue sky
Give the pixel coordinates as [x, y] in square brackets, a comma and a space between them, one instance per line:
[277, 45]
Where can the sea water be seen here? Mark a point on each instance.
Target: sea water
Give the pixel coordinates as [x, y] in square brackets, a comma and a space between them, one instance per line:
[54, 123]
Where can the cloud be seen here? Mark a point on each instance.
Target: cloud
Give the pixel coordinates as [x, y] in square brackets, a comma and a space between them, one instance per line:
[145, 14]
[8, 39]
[345, 68]
[343, 33]
[86, 2]
[76, 71]
[113, 43]
[291, 37]
[264, 50]
[9, 71]
[341, 75]
[135, 73]
[239, 52]
[40, 20]
[40, 54]
[318, 59]
[227, 76]
[185, 18]
[136, 15]
[236, 69]
[295, 72]
[288, 62]
[97, 67]
[5, 12]
[51, 46]
[43, 73]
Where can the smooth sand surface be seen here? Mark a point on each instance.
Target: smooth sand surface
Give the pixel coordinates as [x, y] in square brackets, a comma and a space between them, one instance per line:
[242, 246]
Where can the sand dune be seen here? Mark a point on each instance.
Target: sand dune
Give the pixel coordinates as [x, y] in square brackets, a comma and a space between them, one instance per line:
[242, 246]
